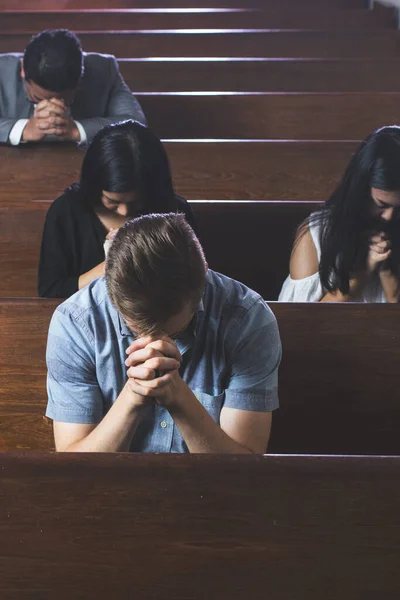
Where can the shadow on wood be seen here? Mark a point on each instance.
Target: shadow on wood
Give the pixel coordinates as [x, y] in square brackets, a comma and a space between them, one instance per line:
[126, 17]
[337, 390]
[201, 169]
[230, 42]
[261, 75]
[250, 242]
[276, 116]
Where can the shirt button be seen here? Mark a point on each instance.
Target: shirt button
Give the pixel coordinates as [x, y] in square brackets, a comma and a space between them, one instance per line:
[164, 424]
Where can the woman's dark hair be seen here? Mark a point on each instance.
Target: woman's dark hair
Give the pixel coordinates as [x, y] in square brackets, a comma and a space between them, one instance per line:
[127, 157]
[53, 59]
[344, 219]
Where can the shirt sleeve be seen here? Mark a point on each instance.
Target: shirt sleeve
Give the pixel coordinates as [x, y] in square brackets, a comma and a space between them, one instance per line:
[16, 132]
[74, 395]
[82, 133]
[255, 357]
[55, 279]
[308, 289]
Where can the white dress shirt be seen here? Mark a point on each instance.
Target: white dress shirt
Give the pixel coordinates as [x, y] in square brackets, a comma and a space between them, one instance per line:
[16, 132]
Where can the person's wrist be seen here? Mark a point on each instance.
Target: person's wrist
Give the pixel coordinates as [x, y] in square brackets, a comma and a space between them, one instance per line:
[75, 135]
[26, 135]
[134, 401]
[178, 397]
[372, 267]
[384, 270]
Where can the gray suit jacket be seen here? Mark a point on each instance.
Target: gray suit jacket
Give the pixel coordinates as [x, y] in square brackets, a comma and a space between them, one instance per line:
[102, 96]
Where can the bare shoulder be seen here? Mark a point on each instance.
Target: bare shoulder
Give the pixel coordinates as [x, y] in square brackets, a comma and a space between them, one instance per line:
[304, 258]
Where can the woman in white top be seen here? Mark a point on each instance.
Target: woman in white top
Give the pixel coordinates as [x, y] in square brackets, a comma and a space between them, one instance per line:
[349, 251]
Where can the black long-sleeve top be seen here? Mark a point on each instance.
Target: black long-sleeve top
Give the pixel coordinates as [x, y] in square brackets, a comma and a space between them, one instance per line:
[72, 243]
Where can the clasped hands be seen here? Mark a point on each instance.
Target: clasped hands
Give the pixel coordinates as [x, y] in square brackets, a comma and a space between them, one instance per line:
[153, 371]
[380, 249]
[51, 117]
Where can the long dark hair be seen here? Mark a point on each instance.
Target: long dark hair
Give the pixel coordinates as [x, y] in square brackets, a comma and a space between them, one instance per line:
[126, 157]
[345, 225]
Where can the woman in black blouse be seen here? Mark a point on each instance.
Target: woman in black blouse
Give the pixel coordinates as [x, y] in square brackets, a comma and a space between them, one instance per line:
[125, 173]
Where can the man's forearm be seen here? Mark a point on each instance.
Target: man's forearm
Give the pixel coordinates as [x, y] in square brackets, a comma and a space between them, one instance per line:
[200, 432]
[115, 432]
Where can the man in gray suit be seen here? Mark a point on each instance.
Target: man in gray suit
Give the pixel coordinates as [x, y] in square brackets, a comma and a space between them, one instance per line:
[54, 91]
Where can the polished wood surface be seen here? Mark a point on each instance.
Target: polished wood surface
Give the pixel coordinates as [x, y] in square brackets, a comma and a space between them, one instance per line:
[239, 239]
[262, 75]
[231, 42]
[24, 326]
[57, 5]
[261, 115]
[202, 170]
[337, 382]
[188, 527]
[337, 379]
[243, 17]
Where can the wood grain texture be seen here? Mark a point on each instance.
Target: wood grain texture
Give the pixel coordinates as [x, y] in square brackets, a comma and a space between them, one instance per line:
[23, 327]
[93, 526]
[277, 16]
[263, 75]
[59, 5]
[337, 381]
[274, 116]
[246, 43]
[238, 238]
[337, 390]
[202, 170]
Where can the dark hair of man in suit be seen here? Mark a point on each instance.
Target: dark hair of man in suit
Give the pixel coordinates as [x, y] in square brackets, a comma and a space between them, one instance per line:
[53, 60]
[128, 157]
[155, 270]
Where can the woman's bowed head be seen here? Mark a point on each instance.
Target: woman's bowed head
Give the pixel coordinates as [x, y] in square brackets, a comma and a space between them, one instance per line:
[352, 244]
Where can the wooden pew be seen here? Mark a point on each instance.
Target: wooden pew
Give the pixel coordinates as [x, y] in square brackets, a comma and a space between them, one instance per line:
[260, 75]
[68, 5]
[261, 115]
[239, 239]
[336, 379]
[102, 17]
[190, 527]
[337, 384]
[202, 169]
[230, 42]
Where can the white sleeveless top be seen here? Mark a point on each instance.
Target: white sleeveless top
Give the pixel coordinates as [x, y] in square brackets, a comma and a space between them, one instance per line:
[310, 288]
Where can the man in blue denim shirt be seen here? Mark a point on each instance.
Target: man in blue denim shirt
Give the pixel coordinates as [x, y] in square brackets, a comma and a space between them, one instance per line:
[162, 355]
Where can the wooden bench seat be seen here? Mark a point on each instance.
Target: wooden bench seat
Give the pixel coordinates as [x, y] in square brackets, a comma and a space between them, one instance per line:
[263, 115]
[202, 169]
[260, 75]
[338, 378]
[101, 17]
[192, 527]
[230, 42]
[68, 5]
[239, 239]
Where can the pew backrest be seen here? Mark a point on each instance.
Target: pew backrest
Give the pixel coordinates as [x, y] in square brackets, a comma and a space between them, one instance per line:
[338, 378]
[189, 527]
[249, 241]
